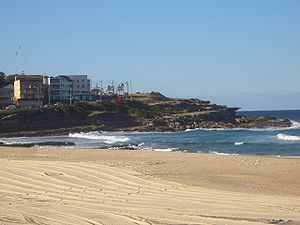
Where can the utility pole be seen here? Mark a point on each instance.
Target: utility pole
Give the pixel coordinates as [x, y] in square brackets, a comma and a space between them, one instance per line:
[130, 87]
[113, 87]
[127, 89]
[49, 90]
[38, 93]
[70, 98]
[100, 90]
[71, 90]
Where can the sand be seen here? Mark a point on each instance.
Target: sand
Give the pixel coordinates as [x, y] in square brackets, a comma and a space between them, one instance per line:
[84, 186]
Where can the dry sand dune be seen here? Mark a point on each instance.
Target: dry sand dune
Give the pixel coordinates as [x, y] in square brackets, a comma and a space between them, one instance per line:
[87, 192]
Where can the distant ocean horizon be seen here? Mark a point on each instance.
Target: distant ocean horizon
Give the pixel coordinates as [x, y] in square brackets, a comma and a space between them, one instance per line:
[266, 141]
[291, 114]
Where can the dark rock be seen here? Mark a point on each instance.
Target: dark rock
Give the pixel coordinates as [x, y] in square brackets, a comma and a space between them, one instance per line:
[46, 143]
[160, 114]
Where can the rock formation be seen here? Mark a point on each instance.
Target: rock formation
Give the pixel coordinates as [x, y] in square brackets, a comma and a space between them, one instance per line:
[154, 113]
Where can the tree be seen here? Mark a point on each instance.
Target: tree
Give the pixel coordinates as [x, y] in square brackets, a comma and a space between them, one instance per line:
[10, 79]
[2, 79]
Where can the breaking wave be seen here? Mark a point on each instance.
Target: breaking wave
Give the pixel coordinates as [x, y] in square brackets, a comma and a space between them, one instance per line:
[288, 137]
[238, 143]
[164, 149]
[142, 148]
[295, 124]
[222, 153]
[108, 139]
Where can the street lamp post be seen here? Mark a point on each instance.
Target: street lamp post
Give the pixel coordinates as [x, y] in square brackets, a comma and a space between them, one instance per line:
[70, 92]
[49, 90]
[100, 90]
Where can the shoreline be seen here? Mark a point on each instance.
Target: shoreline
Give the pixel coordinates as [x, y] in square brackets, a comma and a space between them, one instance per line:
[70, 145]
[97, 186]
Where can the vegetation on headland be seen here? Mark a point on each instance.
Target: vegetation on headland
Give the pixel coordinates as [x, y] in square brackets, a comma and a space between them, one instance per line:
[147, 112]
[2, 79]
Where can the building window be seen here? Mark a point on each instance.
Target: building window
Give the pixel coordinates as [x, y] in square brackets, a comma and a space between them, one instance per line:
[78, 86]
[82, 86]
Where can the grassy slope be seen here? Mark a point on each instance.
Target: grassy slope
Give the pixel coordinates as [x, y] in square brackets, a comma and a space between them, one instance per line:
[110, 114]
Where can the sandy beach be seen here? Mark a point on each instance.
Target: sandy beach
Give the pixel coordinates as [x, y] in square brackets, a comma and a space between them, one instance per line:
[85, 186]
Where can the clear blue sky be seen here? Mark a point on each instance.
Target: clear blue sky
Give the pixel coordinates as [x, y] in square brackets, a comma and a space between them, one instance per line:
[239, 53]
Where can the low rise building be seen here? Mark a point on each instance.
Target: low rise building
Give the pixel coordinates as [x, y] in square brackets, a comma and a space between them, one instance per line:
[61, 89]
[28, 90]
[6, 95]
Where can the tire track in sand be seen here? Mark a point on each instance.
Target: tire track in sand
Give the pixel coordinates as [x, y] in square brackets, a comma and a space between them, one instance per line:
[41, 192]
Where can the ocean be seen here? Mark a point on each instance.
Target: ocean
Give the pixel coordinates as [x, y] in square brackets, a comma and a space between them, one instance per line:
[268, 141]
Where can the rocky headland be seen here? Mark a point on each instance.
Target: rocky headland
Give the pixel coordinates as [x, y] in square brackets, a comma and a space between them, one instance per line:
[151, 112]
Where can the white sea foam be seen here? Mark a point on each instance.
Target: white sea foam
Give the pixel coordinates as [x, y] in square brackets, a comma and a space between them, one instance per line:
[108, 139]
[238, 143]
[141, 144]
[237, 129]
[288, 137]
[295, 124]
[188, 130]
[133, 147]
[11, 142]
[164, 149]
[222, 153]
[208, 129]
[137, 147]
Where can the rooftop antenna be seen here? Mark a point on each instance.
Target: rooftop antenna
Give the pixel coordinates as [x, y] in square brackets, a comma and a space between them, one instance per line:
[25, 64]
[17, 53]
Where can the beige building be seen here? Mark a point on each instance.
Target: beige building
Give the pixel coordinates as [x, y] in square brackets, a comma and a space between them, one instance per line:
[28, 90]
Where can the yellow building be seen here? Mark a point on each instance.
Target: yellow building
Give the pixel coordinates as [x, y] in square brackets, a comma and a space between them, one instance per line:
[28, 90]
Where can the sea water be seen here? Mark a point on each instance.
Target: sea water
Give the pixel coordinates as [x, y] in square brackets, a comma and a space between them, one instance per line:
[267, 141]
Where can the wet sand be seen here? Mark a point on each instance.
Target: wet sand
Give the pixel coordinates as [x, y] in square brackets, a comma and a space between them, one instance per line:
[85, 186]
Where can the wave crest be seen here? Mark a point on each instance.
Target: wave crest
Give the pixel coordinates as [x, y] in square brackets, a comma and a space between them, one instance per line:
[238, 143]
[288, 137]
[108, 139]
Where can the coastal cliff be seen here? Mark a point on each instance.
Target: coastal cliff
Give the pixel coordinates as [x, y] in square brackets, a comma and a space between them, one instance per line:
[152, 112]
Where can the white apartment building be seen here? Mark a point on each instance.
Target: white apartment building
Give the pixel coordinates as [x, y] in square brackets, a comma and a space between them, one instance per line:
[81, 87]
